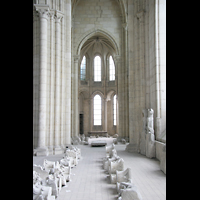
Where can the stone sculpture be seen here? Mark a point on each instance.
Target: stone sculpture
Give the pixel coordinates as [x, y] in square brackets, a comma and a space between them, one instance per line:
[128, 191]
[42, 173]
[42, 177]
[66, 161]
[123, 141]
[66, 171]
[41, 188]
[123, 176]
[109, 149]
[150, 121]
[59, 175]
[54, 184]
[77, 150]
[115, 141]
[113, 156]
[86, 142]
[57, 180]
[48, 165]
[49, 178]
[36, 178]
[150, 138]
[75, 140]
[115, 165]
[82, 137]
[41, 192]
[72, 154]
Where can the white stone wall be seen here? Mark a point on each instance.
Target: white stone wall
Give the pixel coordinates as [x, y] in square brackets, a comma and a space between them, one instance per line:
[90, 16]
[136, 29]
[147, 67]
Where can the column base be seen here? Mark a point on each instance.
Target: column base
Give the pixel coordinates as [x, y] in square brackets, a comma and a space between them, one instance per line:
[58, 150]
[41, 151]
[132, 148]
[50, 149]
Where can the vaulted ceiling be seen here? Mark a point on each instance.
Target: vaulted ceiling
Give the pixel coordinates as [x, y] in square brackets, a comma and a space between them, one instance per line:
[98, 43]
[121, 3]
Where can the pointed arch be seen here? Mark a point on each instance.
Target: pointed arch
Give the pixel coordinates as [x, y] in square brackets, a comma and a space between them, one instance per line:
[97, 32]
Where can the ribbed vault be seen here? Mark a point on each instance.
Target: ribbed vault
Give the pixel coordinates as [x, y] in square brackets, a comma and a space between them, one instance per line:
[97, 43]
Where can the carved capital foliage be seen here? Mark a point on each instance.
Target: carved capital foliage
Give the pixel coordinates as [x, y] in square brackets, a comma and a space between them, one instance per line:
[43, 10]
[58, 16]
[52, 14]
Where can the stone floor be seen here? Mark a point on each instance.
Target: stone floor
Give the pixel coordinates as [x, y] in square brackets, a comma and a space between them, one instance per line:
[90, 182]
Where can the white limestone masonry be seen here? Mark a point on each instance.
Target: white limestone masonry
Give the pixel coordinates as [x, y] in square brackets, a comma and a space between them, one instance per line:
[133, 32]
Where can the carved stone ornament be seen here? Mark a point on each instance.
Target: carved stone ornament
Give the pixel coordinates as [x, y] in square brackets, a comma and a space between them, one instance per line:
[43, 10]
[58, 16]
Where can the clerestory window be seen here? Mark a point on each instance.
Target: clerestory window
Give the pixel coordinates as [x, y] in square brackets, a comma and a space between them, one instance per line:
[114, 111]
[111, 69]
[97, 110]
[83, 69]
[97, 68]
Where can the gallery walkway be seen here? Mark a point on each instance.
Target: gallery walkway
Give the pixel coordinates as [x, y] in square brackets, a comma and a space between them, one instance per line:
[90, 182]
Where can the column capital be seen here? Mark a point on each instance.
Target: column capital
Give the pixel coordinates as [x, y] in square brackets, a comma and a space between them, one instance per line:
[125, 26]
[58, 16]
[43, 10]
[140, 15]
[76, 58]
[118, 58]
[52, 14]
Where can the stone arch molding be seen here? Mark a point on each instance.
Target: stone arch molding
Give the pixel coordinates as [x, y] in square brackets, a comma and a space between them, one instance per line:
[85, 93]
[94, 32]
[110, 94]
[97, 92]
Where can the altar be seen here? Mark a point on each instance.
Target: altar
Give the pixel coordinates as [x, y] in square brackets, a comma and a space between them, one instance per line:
[99, 133]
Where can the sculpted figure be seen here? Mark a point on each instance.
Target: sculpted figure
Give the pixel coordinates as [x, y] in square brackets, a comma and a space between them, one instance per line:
[128, 191]
[150, 121]
[150, 138]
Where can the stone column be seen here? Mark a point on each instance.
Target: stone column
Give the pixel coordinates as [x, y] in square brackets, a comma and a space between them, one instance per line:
[57, 148]
[52, 83]
[160, 68]
[120, 98]
[140, 17]
[133, 84]
[43, 11]
[75, 116]
[105, 114]
[68, 71]
[63, 93]
[126, 109]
